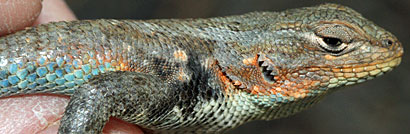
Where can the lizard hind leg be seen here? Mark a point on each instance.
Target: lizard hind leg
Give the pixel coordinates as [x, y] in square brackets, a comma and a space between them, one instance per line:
[119, 94]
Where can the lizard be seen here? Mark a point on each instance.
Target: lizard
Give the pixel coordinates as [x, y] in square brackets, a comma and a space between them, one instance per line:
[206, 75]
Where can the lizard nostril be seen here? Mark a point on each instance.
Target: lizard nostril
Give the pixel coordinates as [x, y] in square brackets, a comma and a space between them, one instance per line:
[388, 42]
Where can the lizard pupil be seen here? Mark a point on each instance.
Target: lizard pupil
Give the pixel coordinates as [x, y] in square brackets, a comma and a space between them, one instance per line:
[332, 42]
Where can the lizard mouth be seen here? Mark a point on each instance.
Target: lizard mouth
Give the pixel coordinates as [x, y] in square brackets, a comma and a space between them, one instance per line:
[347, 75]
[376, 66]
[356, 74]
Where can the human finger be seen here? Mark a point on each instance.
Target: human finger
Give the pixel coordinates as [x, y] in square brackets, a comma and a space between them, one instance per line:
[17, 14]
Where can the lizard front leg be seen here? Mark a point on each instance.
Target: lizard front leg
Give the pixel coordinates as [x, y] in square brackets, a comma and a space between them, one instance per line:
[110, 94]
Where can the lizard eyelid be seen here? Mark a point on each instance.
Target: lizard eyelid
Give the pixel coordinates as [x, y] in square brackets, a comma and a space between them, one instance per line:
[337, 31]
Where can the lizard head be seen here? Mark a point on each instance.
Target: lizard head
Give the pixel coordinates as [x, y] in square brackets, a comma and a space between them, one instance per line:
[315, 49]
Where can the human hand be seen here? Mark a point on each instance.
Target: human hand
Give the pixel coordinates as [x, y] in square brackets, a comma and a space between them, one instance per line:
[39, 113]
[18, 14]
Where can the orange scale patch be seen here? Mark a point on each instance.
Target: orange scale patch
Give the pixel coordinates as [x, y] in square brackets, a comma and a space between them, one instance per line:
[180, 55]
[297, 90]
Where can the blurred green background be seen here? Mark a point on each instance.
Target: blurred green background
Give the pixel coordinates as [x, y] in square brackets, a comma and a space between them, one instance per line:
[380, 106]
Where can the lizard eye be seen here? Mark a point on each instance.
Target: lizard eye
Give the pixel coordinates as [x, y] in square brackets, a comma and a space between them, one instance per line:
[332, 42]
[333, 45]
[334, 38]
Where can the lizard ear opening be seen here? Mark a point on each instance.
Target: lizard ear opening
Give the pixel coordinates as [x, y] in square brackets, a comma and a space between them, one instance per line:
[268, 71]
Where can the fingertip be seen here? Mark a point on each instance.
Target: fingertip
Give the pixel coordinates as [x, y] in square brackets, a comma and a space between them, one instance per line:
[113, 126]
[18, 14]
[51, 129]
[54, 10]
[116, 126]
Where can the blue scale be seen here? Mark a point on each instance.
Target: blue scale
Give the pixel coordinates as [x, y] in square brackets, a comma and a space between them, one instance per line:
[32, 85]
[13, 79]
[4, 83]
[41, 71]
[68, 68]
[79, 81]
[41, 60]
[102, 69]
[3, 74]
[39, 88]
[87, 77]
[77, 63]
[70, 84]
[86, 68]
[59, 73]
[32, 77]
[13, 68]
[41, 81]
[60, 61]
[93, 62]
[50, 85]
[60, 81]
[107, 65]
[22, 84]
[51, 77]
[22, 74]
[273, 99]
[50, 66]
[70, 91]
[95, 71]
[4, 90]
[30, 67]
[78, 73]
[69, 77]
[62, 87]
[14, 89]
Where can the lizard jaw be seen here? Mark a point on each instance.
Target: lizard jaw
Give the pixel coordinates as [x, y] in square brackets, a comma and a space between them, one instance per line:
[335, 77]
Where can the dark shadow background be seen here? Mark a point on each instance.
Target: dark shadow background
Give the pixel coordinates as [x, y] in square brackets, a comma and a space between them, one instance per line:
[380, 106]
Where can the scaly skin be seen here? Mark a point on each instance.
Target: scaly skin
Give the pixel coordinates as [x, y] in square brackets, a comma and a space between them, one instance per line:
[195, 75]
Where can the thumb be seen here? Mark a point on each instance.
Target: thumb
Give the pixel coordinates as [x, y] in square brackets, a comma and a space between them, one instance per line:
[17, 14]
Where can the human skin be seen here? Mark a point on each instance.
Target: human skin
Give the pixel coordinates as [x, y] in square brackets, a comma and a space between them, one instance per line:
[39, 113]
